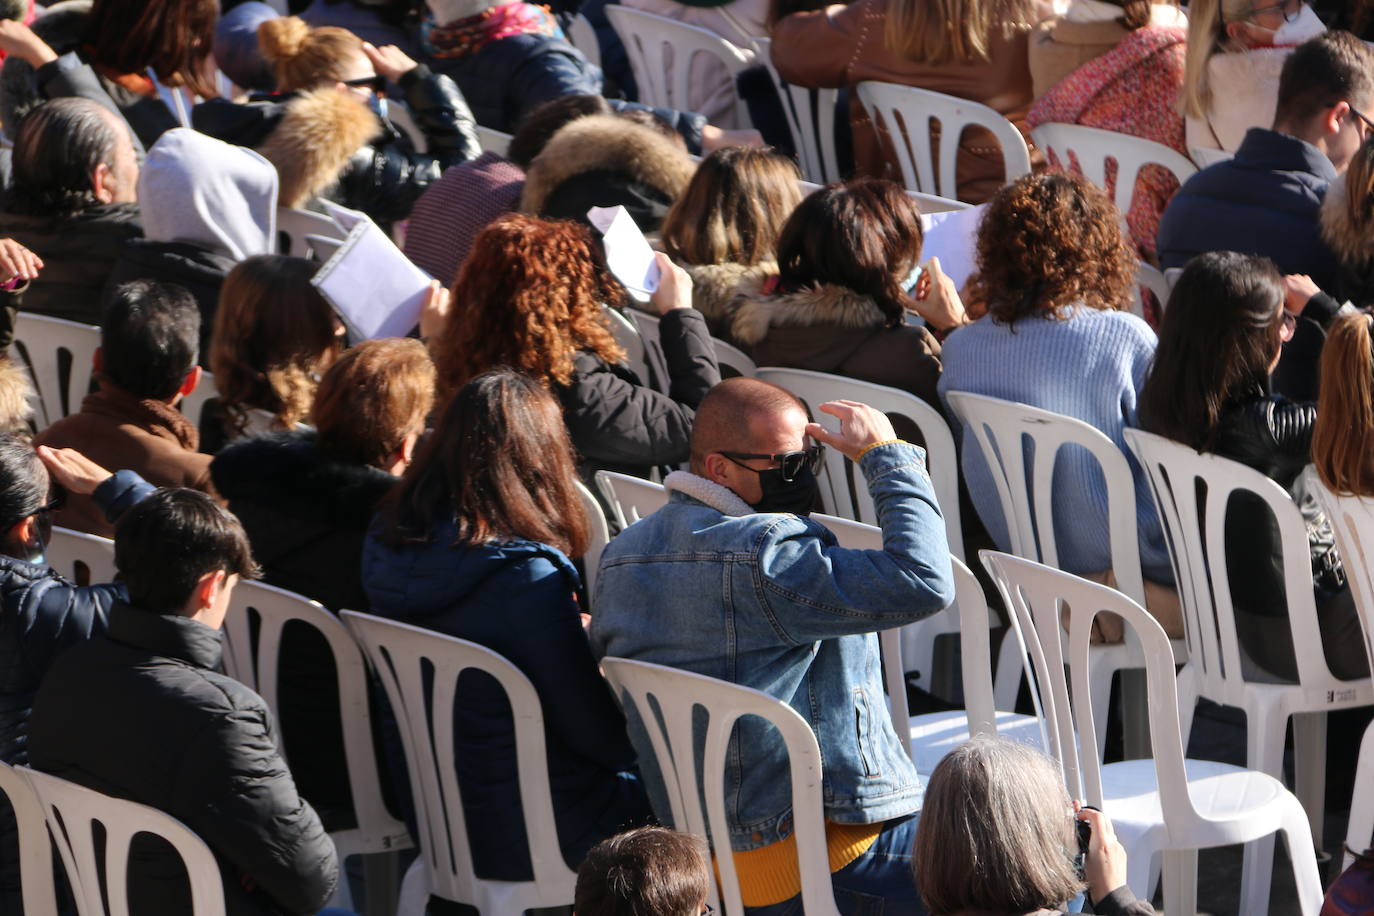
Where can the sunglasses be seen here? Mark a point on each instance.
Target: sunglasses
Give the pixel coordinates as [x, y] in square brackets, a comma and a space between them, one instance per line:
[1368, 124]
[56, 500]
[790, 463]
[375, 83]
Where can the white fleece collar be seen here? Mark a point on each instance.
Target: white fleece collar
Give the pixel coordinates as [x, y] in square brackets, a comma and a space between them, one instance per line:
[722, 499]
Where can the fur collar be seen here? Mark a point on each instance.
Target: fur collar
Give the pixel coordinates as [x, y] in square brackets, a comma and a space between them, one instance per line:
[715, 287]
[1351, 243]
[722, 499]
[318, 133]
[606, 143]
[825, 303]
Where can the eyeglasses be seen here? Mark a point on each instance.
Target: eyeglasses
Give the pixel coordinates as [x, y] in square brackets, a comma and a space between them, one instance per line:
[1368, 124]
[377, 84]
[707, 909]
[790, 463]
[1282, 9]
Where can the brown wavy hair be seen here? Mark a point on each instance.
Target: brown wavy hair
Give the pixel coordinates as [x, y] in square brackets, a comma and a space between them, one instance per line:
[733, 208]
[1048, 242]
[1343, 439]
[374, 396]
[529, 296]
[274, 337]
[173, 37]
[500, 465]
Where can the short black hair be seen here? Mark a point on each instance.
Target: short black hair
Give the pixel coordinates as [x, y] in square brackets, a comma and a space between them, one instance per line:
[23, 481]
[149, 338]
[165, 543]
[1335, 66]
[651, 870]
[57, 147]
[539, 124]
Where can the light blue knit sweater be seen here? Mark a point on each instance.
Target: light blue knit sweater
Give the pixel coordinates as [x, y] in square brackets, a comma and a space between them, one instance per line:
[1089, 366]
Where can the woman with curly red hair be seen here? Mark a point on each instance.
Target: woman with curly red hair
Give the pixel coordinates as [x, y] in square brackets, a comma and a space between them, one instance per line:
[530, 296]
[1055, 275]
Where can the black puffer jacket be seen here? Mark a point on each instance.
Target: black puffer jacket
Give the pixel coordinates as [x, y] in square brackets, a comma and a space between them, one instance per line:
[313, 145]
[198, 270]
[143, 714]
[618, 423]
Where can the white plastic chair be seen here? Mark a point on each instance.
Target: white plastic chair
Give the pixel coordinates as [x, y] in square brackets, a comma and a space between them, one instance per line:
[630, 498]
[1166, 807]
[1204, 156]
[598, 535]
[810, 118]
[193, 404]
[60, 355]
[402, 656]
[297, 225]
[256, 664]
[1092, 147]
[661, 51]
[35, 852]
[906, 112]
[493, 141]
[1217, 667]
[676, 696]
[86, 559]
[1153, 279]
[582, 36]
[1352, 520]
[929, 203]
[1025, 492]
[732, 360]
[72, 812]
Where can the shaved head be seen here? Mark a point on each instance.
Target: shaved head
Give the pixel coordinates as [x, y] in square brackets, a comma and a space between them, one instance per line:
[732, 413]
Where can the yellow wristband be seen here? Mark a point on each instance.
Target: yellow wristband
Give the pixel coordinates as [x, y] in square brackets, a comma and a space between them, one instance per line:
[872, 445]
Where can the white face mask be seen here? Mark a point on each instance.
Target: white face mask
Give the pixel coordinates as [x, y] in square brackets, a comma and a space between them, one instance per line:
[1306, 26]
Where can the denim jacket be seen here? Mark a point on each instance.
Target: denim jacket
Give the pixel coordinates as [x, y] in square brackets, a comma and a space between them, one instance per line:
[769, 601]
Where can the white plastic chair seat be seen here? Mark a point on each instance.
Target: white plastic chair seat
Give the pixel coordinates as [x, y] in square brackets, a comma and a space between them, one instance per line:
[935, 734]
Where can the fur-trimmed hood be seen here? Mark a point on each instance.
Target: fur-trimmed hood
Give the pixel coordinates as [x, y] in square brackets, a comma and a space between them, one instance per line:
[318, 133]
[623, 152]
[1352, 244]
[755, 312]
[716, 286]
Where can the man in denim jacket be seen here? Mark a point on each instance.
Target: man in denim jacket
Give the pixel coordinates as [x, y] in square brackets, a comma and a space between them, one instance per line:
[728, 581]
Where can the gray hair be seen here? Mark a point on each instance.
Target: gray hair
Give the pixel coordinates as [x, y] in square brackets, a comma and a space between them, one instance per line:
[996, 832]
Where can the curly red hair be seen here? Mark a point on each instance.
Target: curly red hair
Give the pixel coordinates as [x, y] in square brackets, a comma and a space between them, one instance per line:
[1048, 242]
[529, 296]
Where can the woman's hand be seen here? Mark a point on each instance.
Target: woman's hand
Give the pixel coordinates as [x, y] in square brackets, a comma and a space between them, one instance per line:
[21, 41]
[434, 313]
[16, 261]
[1105, 864]
[936, 299]
[1298, 290]
[674, 286]
[389, 61]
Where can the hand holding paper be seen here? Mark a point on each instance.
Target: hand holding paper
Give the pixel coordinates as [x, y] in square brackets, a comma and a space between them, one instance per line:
[628, 255]
[674, 286]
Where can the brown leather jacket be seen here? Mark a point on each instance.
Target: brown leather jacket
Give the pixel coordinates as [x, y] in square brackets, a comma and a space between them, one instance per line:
[844, 45]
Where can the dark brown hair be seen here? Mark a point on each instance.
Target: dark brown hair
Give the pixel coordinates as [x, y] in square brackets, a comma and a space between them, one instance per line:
[1217, 340]
[864, 235]
[274, 335]
[528, 296]
[1343, 438]
[540, 123]
[651, 871]
[733, 208]
[166, 542]
[1335, 66]
[1048, 242]
[173, 37]
[374, 396]
[499, 464]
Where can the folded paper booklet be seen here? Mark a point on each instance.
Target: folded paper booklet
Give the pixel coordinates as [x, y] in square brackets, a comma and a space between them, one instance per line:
[953, 238]
[374, 288]
[628, 254]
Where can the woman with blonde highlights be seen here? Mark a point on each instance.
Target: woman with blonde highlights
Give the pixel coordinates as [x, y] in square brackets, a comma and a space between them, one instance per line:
[1343, 438]
[997, 837]
[724, 227]
[274, 336]
[972, 49]
[530, 296]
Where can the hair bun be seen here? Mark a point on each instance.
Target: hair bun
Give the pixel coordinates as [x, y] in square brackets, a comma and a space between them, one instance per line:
[283, 37]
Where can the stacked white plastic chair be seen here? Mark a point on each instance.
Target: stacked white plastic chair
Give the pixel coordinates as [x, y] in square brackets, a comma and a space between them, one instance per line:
[810, 118]
[905, 112]
[35, 851]
[60, 356]
[1165, 807]
[404, 658]
[301, 226]
[598, 534]
[266, 611]
[1218, 669]
[73, 813]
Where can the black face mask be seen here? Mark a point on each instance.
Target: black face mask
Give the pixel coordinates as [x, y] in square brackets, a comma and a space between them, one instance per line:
[796, 496]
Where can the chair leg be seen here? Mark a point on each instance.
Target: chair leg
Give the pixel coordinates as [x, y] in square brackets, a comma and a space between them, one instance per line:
[1298, 838]
[1361, 827]
[1180, 882]
[1265, 732]
[1309, 768]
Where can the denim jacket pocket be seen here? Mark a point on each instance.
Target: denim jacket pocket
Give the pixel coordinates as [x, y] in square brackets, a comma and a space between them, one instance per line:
[863, 731]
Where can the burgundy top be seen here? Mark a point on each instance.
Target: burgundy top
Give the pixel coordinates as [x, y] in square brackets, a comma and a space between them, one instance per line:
[463, 202]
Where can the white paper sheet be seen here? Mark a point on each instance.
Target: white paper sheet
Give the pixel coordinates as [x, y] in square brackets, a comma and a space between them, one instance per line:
[952, 237]
[628, 254]
[374, 288]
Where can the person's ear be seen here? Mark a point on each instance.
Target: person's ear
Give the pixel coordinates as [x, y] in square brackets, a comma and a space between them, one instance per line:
[207, 589]
[714, 465]
[1335, 117]
[189, 383]
[103, 184]
[25, 532]
[1236, 31]
[407, 449]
